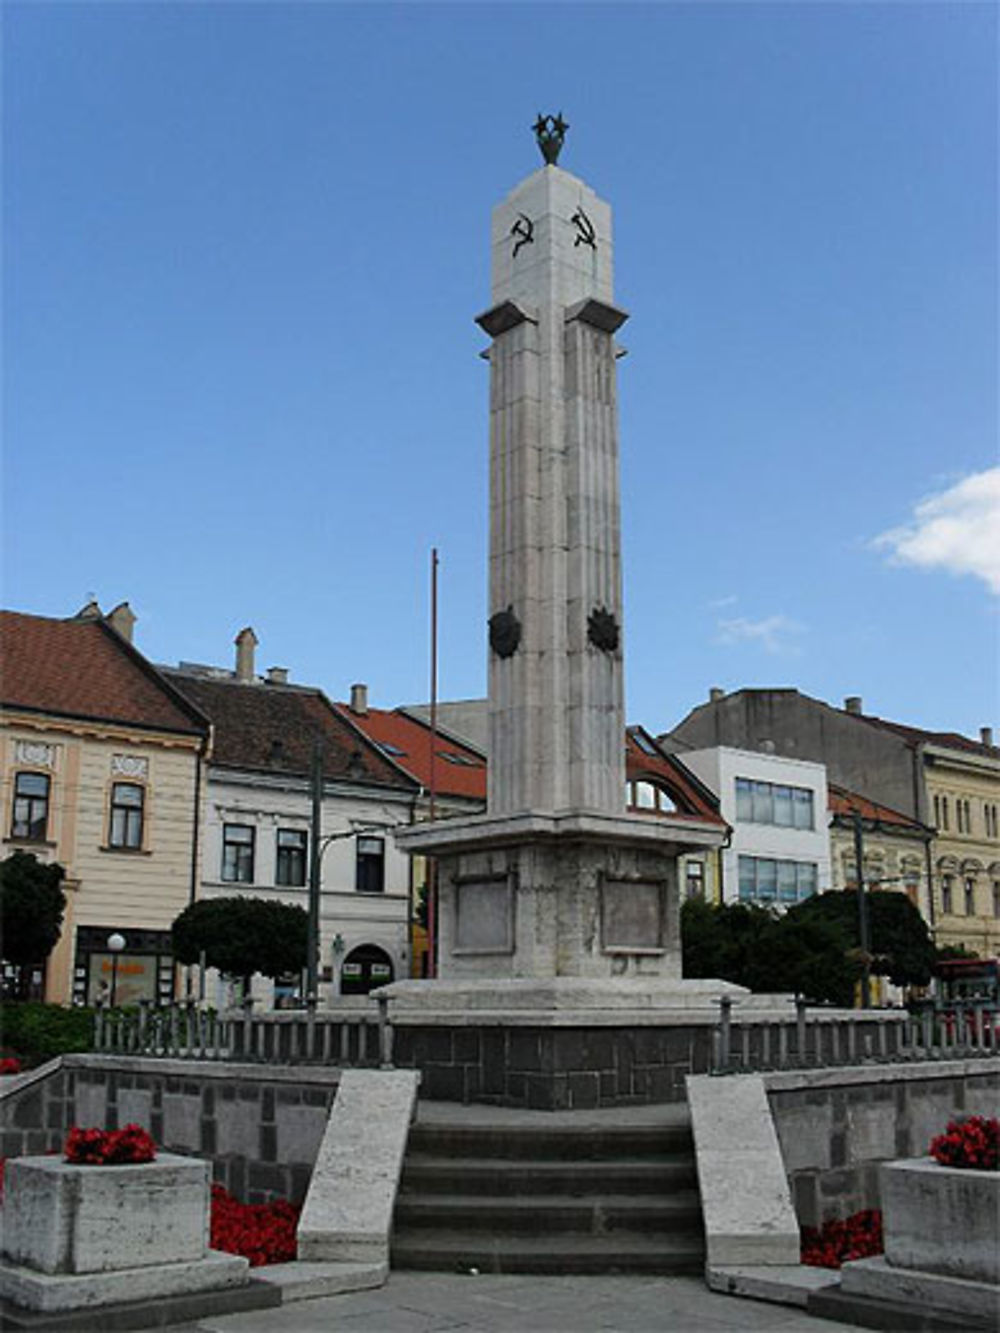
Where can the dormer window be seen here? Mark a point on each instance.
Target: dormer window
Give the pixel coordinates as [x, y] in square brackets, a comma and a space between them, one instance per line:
[647, 796]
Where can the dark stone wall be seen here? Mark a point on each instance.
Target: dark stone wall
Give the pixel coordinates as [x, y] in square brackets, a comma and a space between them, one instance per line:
[553, 1068]
[260, 1128]
[833, 1137]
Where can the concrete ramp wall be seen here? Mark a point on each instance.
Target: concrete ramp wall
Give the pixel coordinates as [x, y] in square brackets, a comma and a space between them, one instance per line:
[348, 1210]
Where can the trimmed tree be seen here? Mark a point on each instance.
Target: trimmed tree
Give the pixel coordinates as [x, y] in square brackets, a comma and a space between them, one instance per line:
[32, 903]
[901, 944]
[756, 948]
[241, 935]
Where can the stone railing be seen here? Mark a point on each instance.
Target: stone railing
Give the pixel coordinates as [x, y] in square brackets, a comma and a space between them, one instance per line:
[815, 1037]
[349, 1038]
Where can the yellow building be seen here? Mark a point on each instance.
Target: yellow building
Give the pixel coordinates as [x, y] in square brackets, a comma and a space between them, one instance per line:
[963, 797]
[101, 768]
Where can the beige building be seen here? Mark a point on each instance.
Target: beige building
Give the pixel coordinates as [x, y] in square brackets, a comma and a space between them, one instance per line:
[963, 797]
[101, 771]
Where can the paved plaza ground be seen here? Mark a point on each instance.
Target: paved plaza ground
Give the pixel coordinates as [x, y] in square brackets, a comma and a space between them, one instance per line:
[441, 1302]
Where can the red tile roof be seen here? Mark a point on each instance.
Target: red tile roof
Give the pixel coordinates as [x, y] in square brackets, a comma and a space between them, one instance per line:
[411, 735]
[459, 770]
[844, 803]
[84, 669]
[271, 728]
[645, 758]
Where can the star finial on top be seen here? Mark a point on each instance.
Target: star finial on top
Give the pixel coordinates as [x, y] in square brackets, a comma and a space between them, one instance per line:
[550, 131]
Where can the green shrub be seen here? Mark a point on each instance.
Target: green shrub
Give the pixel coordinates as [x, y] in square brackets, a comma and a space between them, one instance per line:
[38, 1031]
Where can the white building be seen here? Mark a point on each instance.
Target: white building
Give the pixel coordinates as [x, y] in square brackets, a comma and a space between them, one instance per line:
[779, 852]
[257, 819]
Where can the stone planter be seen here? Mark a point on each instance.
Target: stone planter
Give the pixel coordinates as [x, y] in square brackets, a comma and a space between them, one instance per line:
[78, 1236]
[942, 1219]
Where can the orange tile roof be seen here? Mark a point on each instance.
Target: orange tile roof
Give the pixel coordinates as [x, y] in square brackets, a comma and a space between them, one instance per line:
[844, 803]
[84, 669]
[459, 770]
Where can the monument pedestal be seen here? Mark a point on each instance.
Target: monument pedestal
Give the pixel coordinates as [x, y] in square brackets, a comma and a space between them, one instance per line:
[583, 894]
[562, 1043]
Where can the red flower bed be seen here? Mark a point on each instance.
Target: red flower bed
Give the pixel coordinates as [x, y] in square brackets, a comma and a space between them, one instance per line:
[264, 1233]
[109, 1147]
[10, 1064]
[834, 1243]
[973, 1143]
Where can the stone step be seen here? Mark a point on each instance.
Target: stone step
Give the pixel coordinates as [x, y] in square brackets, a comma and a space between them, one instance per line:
[624, 1252]
[679, 1213]
[529, 1141]
[432, 1174]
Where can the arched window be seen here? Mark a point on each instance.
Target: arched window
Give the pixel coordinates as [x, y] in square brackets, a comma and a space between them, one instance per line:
[645, 795]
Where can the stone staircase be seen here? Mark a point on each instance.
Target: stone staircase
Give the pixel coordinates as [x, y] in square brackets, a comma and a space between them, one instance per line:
[499, 1191]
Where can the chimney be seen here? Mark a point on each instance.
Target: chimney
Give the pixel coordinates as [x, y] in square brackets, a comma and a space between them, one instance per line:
[853, 704]
[715, 694]
[359, 700]
[986, 736]
[91, 611]
[122, 620]
[277, 675]
[246, 642]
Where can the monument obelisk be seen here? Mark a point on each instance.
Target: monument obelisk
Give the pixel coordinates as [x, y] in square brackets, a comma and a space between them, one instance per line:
[556, 890]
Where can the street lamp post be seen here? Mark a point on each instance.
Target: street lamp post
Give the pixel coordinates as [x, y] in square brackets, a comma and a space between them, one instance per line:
[116, 943]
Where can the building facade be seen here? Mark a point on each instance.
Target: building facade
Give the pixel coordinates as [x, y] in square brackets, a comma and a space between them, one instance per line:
[943, 781]
[779, 851]
[258, 828]
[101, 769]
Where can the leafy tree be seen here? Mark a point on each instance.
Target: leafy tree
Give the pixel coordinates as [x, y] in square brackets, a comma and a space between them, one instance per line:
[811, 958]
[720, 941]
[901, 944]
[240, 936]
[766, 952]
[32, 903]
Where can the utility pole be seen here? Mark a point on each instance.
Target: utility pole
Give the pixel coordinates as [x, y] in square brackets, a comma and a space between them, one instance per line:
[432, 924]
[315, 860]
[864, 932]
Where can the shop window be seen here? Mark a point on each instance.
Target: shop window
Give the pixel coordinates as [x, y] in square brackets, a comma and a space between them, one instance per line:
[127, 809]
[31, 807]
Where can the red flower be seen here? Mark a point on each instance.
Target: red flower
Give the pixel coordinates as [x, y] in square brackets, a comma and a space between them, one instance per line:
[839, 1241]
[109, 1147]
[264, 1233]
[973, 1143]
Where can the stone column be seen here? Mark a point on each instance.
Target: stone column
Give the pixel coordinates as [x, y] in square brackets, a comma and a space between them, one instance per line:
[556, 672]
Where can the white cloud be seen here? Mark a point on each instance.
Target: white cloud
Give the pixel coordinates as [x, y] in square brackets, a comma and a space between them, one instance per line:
[775, 634]
[718, 603]
[957, 530]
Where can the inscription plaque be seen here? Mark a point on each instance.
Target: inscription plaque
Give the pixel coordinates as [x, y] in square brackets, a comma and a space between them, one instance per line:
[632, 914]
[484, 916]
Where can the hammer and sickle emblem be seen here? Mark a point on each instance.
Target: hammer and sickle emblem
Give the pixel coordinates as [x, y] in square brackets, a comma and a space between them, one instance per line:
[524, 230]
[586, 235]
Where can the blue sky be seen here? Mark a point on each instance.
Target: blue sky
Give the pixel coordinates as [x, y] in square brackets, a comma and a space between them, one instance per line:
[243, 249]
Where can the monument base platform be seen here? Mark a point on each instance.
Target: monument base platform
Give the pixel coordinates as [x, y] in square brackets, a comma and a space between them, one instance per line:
[563, 1043]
